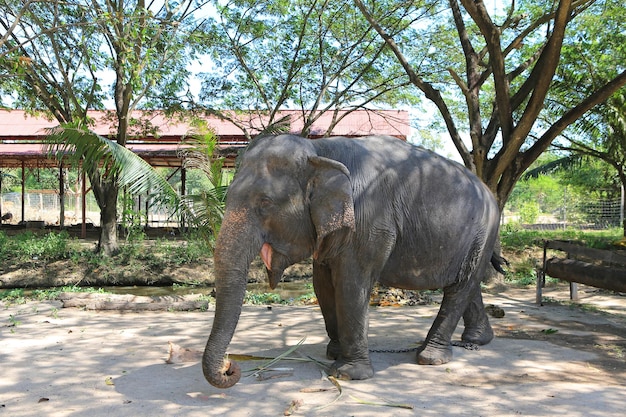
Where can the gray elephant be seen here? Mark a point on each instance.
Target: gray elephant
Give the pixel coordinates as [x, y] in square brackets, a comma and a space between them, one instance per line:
[368, 210]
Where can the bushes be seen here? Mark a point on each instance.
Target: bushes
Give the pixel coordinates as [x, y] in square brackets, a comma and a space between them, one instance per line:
[54, 246]
[27, 247]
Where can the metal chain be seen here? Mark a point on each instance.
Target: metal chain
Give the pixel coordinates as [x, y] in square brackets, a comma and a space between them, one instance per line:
[464, 345]
[394, 350]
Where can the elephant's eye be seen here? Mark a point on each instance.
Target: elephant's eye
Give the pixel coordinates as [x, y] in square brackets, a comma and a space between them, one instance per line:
[265, 203]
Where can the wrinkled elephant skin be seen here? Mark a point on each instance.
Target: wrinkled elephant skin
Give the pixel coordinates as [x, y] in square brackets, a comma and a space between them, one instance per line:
[368, 210]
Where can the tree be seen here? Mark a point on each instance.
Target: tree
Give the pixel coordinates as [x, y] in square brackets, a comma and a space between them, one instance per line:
[499, 68]
[602, 135]
[586, 66]
[66, 47]
[315, 56]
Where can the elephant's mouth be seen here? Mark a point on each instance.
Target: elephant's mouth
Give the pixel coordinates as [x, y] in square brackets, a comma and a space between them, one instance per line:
[275, 264]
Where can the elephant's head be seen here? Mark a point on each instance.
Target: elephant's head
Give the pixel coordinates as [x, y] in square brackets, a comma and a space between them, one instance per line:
[286, 203]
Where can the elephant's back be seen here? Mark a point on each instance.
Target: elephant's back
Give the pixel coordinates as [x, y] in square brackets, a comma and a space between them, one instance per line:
[395, 164]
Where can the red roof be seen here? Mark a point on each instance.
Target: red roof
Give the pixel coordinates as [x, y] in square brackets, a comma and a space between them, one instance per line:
[158, 138]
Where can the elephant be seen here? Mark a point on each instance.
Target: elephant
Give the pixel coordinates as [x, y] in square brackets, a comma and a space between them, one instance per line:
[368, 209]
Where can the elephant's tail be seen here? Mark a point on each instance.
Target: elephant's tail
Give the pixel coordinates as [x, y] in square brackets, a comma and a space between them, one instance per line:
[497, 261]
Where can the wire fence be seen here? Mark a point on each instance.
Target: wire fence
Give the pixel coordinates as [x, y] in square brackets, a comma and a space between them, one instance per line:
[581, 214]
[44, 207]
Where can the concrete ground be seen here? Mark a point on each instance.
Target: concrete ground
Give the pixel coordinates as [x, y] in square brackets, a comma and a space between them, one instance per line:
[545, 361]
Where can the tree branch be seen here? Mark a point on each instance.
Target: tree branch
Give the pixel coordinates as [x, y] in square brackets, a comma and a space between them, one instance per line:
[429, 91]
[541, 77]
[570, 117]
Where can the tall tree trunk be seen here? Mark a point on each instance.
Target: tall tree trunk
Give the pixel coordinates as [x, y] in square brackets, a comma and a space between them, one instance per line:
[105, 191]
[107, 243]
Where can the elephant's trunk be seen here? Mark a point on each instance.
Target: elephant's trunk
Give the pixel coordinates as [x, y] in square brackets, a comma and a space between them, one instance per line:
[235, 248]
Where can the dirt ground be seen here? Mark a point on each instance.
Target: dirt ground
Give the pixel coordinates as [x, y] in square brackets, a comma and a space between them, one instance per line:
[556, 359]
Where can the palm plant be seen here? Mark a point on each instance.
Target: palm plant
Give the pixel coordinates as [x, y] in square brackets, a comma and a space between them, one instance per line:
[101, 157]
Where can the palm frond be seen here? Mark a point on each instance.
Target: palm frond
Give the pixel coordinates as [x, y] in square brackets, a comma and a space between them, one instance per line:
[278, 127]
[90, 151]
[556, 165]
[7, 175]
[197, 151]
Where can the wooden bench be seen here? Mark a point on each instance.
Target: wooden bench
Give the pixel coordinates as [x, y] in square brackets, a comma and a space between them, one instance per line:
[598, 268]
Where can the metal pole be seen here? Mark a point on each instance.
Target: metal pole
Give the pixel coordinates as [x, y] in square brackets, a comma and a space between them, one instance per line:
[183, 179]
[621, 209]
[1, 173]
[83, 191]
[61, 198]
[23, 191]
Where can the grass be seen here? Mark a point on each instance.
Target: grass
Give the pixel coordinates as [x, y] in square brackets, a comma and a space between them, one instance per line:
[514, 238]
[135, 256]
[21, 295]
[265, 298]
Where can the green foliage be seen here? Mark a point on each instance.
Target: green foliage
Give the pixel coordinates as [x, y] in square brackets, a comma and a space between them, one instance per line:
[21, 295]
[529, 212]
[136, 254]
[14, 296]
[26, 247]
[515, 239]
[565, 190]
[545, 191]
[257, 298]
[206, 208]
[307, 55]
[261, 298]
[189, 251]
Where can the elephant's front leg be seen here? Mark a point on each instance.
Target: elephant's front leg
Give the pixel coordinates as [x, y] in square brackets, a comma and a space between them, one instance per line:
[352, 294]
[325, 292]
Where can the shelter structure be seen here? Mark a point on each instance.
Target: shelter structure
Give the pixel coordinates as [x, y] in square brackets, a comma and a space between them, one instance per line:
[158, 139]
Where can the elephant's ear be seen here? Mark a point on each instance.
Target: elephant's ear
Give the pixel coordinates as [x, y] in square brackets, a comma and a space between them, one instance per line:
[331, 204]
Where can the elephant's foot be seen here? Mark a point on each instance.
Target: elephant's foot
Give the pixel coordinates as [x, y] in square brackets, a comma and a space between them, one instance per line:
[333, 350]
[434, 355]
[478, 335]
[352, 370]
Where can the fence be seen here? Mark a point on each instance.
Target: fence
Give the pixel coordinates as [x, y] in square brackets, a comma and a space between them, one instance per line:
[588, 214]
[45, 206]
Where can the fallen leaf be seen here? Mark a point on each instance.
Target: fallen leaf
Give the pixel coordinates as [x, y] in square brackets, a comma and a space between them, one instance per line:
[293, 407]
[385, 403]
[43, 400]
[109, 380]
[179, 354]
[265, 375]
[240, 357]
[335, 382]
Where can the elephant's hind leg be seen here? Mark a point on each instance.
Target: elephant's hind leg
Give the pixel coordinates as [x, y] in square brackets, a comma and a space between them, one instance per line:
[477, 327]
[437, 348]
